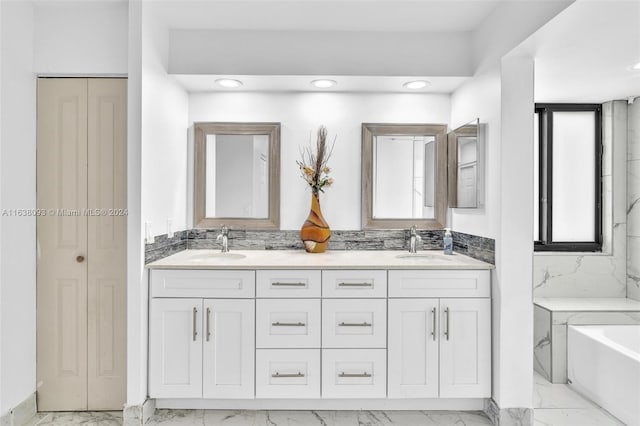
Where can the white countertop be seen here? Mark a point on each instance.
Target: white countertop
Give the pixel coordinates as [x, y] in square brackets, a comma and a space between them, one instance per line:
[299, 259]
[588, 304]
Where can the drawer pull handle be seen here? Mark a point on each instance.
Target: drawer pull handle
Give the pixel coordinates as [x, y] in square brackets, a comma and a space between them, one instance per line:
[343, 374]
[433, 323]
[279, 284]
[355, 284]
[288, 324]
[446, 330]
[195, 321]
[298, 374]
[355, 324]
[208, 324]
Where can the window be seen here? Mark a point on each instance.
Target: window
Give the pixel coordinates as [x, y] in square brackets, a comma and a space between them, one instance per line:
[568, 177]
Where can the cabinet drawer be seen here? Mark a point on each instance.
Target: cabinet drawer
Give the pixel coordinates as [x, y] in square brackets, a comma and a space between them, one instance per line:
[352, 323]
[354, 283]
[288, 373]
[276, 283]
[354, 373]
[283, 323]
[453, 283]
[202, 283]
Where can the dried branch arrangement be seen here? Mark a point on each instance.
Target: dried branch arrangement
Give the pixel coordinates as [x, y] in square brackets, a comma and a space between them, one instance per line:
[313, 166]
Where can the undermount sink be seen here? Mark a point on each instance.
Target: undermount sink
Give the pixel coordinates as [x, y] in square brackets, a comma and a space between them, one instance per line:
[421, 256]
[220, 255]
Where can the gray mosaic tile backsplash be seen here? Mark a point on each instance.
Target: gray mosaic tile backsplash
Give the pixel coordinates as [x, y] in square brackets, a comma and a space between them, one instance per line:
[471, 245]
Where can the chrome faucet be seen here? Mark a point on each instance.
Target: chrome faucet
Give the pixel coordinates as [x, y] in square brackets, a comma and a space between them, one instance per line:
[224, 235]
[414, 239]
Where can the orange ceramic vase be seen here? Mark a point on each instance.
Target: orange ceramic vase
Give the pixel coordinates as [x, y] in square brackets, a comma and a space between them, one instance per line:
[315, 232]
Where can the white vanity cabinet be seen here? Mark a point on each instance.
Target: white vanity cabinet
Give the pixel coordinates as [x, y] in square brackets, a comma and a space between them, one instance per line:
[202, 347]
[288, 334]
[344, 337]
[439, 347]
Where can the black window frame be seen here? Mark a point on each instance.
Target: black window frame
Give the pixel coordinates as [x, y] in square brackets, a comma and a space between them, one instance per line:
[545, 179]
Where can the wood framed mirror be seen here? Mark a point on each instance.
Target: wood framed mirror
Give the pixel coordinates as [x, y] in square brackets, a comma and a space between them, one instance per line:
[465, 154]
[237, 175]
[404, 179]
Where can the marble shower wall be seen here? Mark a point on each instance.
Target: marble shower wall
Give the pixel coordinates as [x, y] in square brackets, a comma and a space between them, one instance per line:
[600, 274]
[633, 201]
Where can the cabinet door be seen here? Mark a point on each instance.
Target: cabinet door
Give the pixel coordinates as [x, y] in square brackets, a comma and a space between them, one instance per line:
[175, 348]
[465, 348]
[413, 348]
[229, 349]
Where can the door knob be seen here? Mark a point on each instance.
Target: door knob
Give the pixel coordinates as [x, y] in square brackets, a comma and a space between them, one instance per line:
[80, 259]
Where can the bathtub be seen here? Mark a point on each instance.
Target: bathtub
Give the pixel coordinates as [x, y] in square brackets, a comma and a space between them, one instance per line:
[603, 364]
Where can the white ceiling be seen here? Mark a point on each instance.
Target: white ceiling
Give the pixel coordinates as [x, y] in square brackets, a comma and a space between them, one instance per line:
[401, 16]
[585, 53]
[318, 15]
[288, 83]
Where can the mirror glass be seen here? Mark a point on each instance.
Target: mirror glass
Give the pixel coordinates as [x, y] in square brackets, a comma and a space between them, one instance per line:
[237, 179]
[237, 175]
[465, 166]
[403, 176]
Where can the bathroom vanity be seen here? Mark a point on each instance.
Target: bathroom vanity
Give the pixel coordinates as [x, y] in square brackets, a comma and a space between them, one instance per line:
[339, 330]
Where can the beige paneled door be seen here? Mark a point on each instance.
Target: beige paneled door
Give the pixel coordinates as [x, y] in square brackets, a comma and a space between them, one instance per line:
[81, 228]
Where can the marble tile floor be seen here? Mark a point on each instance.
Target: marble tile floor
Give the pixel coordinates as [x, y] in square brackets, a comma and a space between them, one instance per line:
[554, 405]
[273, 418]
[559, 405]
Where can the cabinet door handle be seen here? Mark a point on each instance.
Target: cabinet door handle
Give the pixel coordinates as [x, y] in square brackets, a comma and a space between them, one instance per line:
[355, 284]
[298, 374]
[446, 327]
[208, 324]
[343, 374]
[279, 284]
[355, 324]
[433, 324]
[195, 323]
[288, 324]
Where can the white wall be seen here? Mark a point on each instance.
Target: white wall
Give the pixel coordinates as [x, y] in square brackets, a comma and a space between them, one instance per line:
[300, 115]
[164, 134]
[247, 52]
[502, 97]
[1, 204]
[81, 38]
[49, 38]
[508, 25]
[512, 293]
[633, 201]
[480, 98]
[157, 167]
[18, 182]
[137, 290]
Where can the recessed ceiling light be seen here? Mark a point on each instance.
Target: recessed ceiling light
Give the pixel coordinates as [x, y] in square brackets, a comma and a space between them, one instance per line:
[228, 82]
[416, 84]
[323, 83]
[636, 66]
